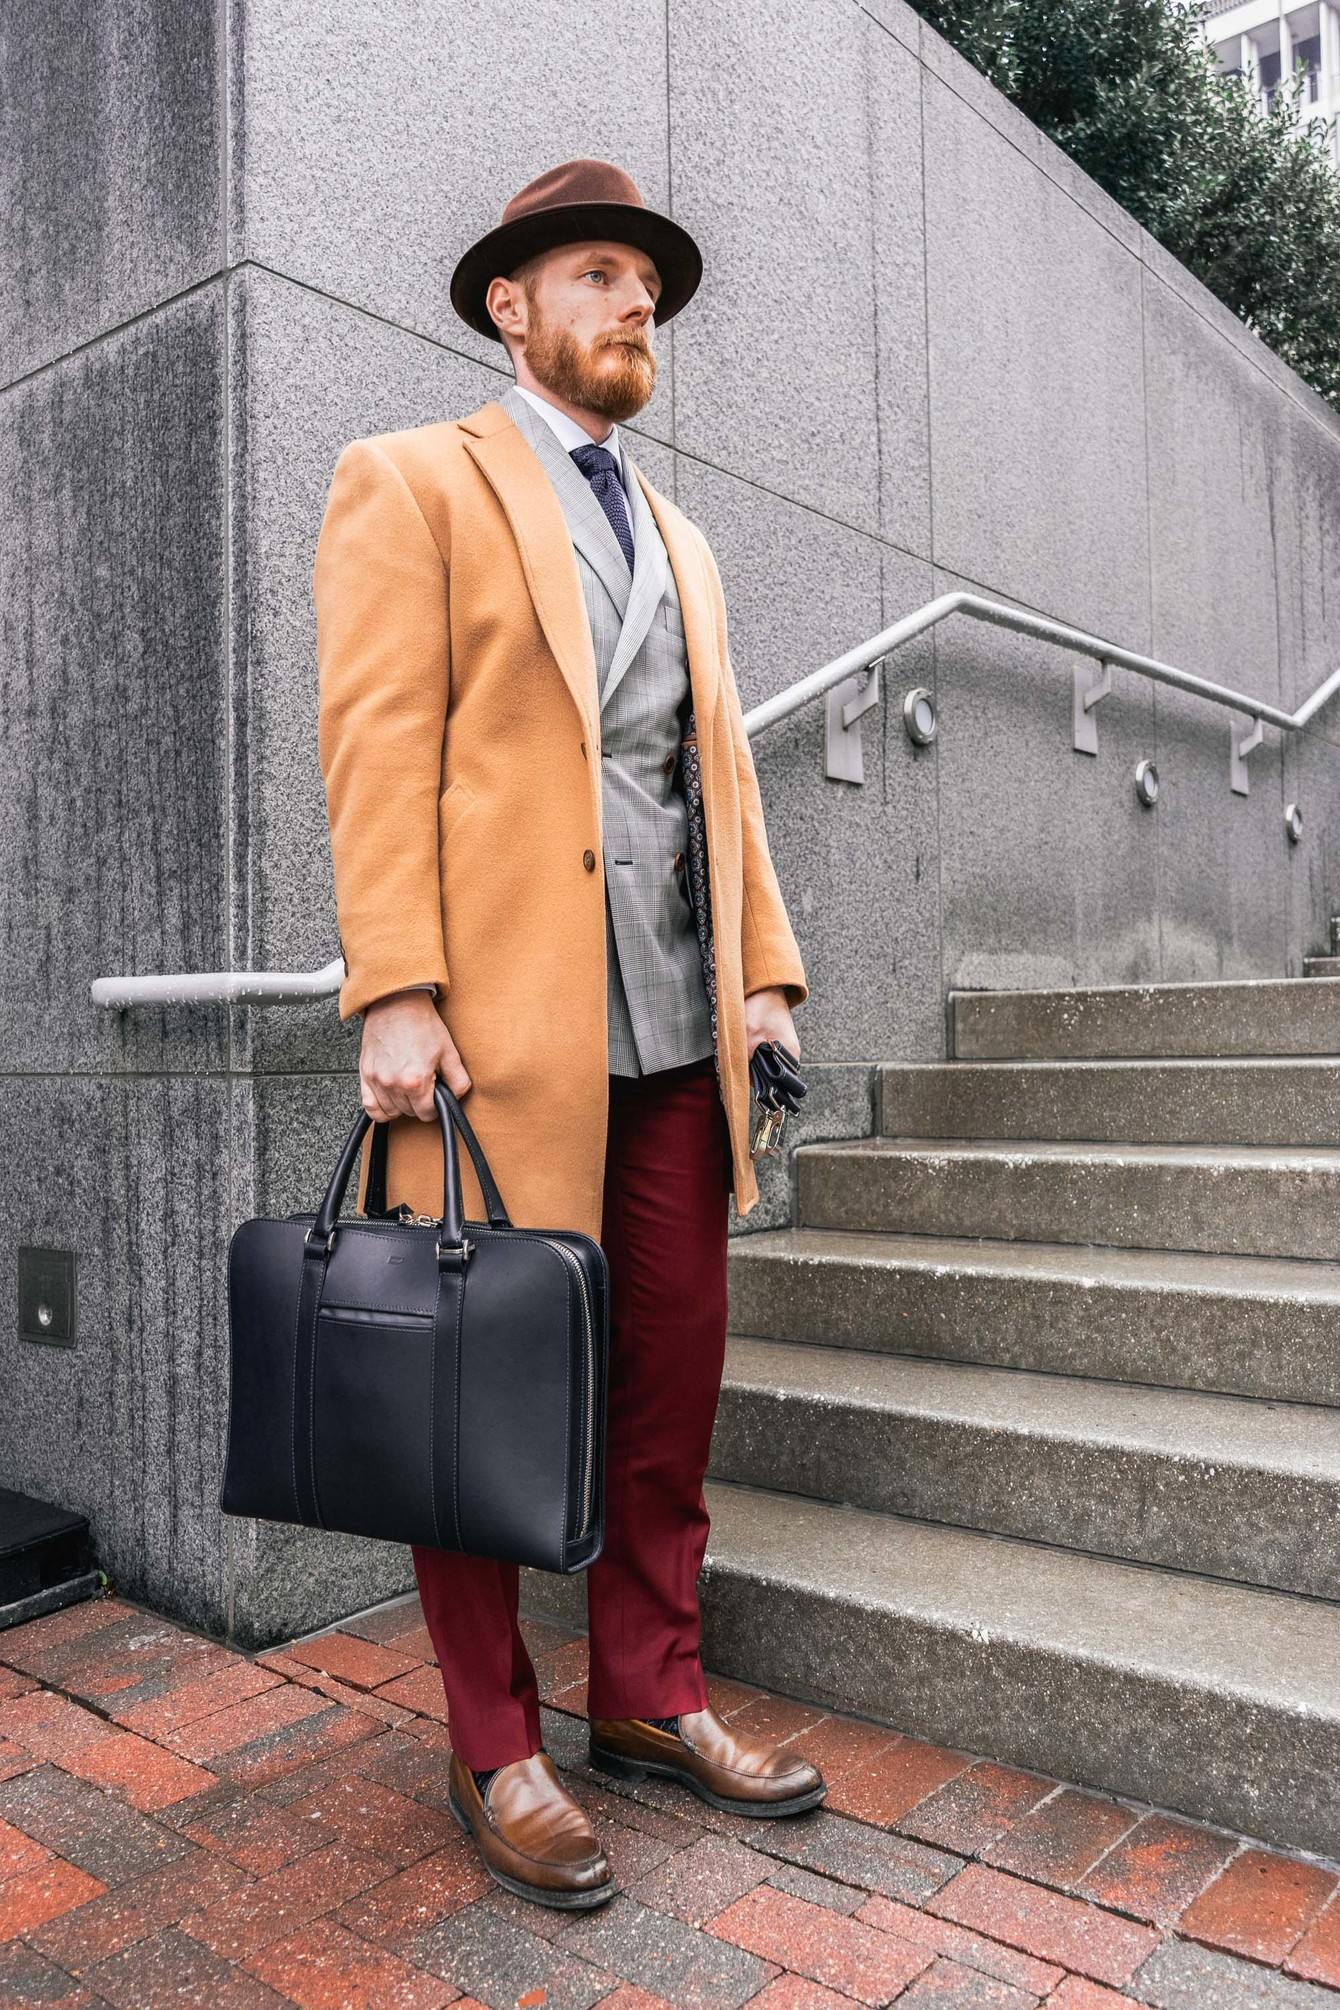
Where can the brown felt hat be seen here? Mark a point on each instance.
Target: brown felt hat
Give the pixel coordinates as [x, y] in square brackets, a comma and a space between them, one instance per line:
[581, 198]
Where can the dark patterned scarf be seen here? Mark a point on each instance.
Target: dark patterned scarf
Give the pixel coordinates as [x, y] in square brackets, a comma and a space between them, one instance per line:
[700, 896]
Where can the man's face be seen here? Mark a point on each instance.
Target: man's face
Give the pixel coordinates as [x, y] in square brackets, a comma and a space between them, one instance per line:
[582, 315]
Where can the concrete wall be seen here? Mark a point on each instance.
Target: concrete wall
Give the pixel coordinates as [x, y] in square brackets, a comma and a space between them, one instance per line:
[927, 353]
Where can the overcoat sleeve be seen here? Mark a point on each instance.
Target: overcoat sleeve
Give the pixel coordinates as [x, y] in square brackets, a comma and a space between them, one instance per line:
[383, 668]
[769, 953]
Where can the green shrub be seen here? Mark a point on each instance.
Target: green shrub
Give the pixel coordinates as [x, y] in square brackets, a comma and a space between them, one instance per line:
[1248, 200]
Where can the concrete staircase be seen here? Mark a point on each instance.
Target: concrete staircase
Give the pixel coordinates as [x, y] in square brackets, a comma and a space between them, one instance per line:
[1029, 1439]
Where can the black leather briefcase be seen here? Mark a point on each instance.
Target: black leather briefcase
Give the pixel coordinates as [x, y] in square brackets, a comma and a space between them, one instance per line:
[436, 1382]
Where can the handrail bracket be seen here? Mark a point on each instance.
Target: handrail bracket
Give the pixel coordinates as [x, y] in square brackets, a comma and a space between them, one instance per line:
[1238, 752]
[1088, 687]
[847, 705]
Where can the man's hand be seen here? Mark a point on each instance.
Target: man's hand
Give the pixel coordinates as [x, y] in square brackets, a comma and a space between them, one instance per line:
[767, 1016]
[405, 1048]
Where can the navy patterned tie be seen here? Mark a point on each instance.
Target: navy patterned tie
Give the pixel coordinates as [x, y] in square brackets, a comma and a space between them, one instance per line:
[598, 465]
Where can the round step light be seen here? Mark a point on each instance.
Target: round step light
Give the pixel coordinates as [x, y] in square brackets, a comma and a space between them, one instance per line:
[919, 716]
[1293, 822]
[1147, 783]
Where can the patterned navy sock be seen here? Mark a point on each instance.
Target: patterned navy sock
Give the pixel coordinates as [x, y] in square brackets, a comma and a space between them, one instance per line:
[664, 1723]
[483, 1777]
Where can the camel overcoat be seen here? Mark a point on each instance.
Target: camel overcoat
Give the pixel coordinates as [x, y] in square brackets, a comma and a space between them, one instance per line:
[459, 740]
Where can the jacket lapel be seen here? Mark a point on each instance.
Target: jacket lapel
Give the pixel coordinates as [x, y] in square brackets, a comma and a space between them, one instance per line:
[647, 583]
[591, 530]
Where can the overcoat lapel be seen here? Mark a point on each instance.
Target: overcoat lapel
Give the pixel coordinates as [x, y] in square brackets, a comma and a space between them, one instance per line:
[535, 515]
[695, 603]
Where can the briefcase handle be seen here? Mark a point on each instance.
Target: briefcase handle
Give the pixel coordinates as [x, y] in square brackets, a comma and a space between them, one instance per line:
[452, 1246]
[374, 1201]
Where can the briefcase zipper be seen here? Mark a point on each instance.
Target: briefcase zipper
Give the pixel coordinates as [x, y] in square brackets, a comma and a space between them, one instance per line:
[590, 1402]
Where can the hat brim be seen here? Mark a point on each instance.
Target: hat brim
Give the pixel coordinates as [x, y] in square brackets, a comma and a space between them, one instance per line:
[673, 252]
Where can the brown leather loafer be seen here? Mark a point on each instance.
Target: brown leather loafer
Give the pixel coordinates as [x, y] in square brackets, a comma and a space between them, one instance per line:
[742, 1775]
[533, 1837]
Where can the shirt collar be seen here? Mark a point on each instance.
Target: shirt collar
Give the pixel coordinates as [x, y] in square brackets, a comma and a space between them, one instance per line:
[570, 434]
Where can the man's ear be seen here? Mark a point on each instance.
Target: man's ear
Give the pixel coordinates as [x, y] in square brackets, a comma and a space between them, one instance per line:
[502, 333]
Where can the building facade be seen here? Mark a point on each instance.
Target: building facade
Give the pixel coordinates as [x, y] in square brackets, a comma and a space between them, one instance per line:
[1266, 40]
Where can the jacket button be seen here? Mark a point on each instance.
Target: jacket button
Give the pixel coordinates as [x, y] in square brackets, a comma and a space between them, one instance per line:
[589, 860]
[679, 861]
[668, 763]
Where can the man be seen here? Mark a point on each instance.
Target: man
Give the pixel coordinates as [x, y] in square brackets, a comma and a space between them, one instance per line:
[514, 629]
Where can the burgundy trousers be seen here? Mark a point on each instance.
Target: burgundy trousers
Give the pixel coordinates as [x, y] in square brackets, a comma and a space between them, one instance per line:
[664, 1233]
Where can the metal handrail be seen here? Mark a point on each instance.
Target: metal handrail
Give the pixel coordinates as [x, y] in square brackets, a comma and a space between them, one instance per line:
[999, 615]
[280, 987]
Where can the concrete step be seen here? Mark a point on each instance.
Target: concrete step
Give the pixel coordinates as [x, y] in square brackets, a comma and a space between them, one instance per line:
[1244, 1325]
[1246, 1100]
[1258, 1200]
[1257, 1016]
[1215, 1484]
[1321, 966]
[1038, 1656]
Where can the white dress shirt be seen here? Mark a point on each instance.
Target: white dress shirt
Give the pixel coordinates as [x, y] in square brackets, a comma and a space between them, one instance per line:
[570, 435]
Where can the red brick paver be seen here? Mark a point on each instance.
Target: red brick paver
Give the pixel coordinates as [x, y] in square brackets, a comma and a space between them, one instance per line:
[1156, 1871]
[842, 1953]
[236, 1926]
[894, 1780]
[18, 1852]
[180, 1823]
[360, 1663]
[967, 1950]
[1316, 1958]
[140, 1771]
[421, 1690]
[32, 1897]
[227, 1730]
[1062, 1838]
[1260, 1905]
[1077, 1994]
[1046, 1924]
[48, 1726]
[329, 1968]
[976, 1808]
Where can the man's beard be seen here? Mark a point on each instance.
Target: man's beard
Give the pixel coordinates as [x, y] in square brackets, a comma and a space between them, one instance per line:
[615, 378]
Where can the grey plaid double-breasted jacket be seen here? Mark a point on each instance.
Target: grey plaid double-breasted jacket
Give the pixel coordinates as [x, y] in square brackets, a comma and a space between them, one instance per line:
[661, 985]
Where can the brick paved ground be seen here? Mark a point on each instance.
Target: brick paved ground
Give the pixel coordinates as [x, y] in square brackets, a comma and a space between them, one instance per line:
[183, 1825]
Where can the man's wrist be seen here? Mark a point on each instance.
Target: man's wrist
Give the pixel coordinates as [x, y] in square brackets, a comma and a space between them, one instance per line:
[402, 991]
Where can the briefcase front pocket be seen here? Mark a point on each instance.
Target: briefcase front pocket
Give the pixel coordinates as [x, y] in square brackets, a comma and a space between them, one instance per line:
[373, 1387]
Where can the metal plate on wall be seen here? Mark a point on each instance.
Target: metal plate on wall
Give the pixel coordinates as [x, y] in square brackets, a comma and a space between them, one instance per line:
[46, 1296]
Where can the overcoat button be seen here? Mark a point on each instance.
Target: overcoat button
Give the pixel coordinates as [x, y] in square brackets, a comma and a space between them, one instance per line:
[589, 860]
[668, 763]
[679, 861]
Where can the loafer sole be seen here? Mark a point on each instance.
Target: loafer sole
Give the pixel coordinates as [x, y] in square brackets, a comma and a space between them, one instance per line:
[620, 1768]
[563, 1901]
